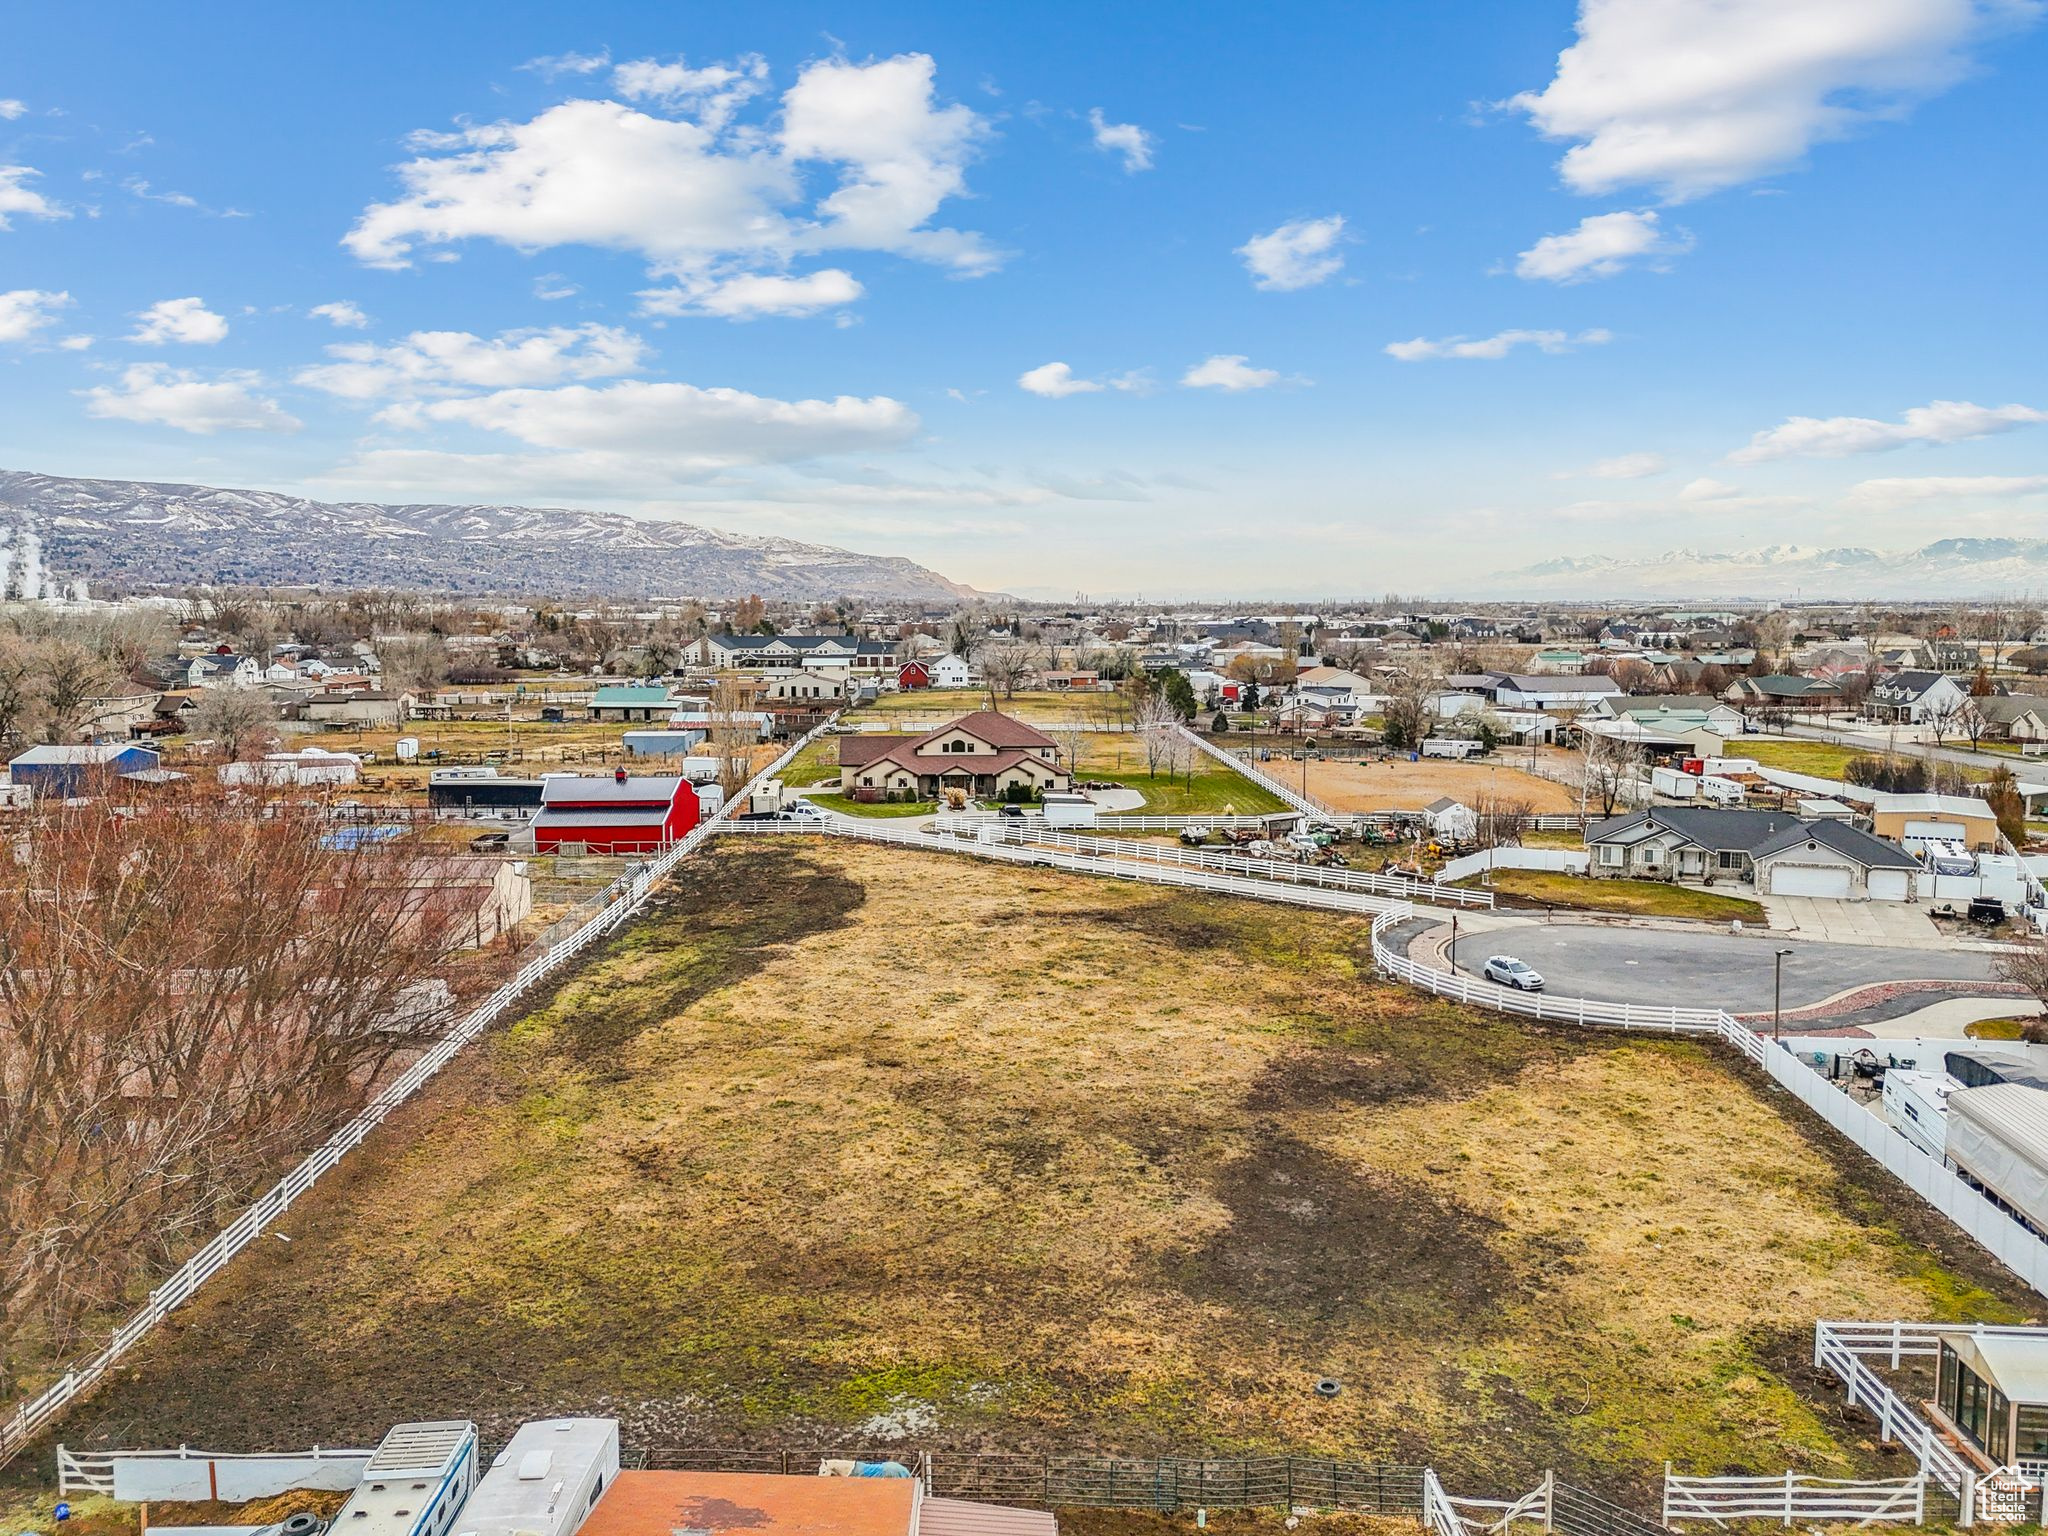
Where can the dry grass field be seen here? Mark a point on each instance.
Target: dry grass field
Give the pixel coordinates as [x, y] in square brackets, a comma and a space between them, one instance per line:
[841, 1141]
[1404, 786]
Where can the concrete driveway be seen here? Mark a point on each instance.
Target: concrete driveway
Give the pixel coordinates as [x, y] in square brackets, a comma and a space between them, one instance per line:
[1898, 924]
[1712, 968]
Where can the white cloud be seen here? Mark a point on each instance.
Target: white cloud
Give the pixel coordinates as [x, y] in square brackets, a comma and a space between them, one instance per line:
[1228, 372]
[1495, 346]
[1299, 254]
[75, 343]
[1056, 381]
[643, 433]
[1837, 437]
[24, 311]
[702, 201]
[550, 286]
[181, 320]
[10, 109]
[1624, 466]
[1706, 489]
[447, 362]
[1690, 97]
[1125, 139]
[16, 198]
[1602, 245]
[755, 293]
[711, 95]
[1912, 490]
[343, 313]
[552, 66]
[157, 395]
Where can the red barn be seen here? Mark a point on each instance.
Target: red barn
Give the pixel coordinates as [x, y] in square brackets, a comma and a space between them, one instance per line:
[625, 813]
[913, 674]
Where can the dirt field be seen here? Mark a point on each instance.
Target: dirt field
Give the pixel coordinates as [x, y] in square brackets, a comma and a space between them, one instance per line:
[846, 1142]
[1404, 786]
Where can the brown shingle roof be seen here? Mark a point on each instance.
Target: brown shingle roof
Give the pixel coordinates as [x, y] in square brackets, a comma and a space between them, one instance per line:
[858, 751]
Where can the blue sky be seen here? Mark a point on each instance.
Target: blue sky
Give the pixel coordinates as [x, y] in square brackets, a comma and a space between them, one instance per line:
[1053, 298]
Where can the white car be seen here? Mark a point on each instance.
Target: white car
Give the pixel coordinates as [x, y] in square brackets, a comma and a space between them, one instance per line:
[1510, 972]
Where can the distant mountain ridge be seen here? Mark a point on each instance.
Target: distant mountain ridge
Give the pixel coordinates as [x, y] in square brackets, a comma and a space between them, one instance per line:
[1947, 568]
[142, 534]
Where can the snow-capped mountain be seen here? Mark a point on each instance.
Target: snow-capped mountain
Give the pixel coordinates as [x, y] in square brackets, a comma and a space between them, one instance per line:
[131, 535]
[1947, 568]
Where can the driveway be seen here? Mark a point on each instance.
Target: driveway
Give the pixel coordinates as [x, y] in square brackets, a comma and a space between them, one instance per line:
[1898, 924]
[1712, 968]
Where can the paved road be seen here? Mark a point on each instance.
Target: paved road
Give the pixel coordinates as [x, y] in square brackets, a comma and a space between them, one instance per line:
[1710, 969]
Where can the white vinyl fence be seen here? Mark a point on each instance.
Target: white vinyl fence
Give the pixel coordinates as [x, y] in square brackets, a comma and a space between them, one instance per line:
[1572, 861]
[1940, 1186]
[1118, 821]
[1245, 766]
[1329, 878]
[631, 895]
[185, 1474]
[1793, 1496]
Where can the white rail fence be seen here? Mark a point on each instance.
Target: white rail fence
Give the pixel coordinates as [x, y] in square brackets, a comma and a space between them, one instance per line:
[1145, 871]
[1446, 1515]
[1941, 1187]
[1329, 878]
[1293, 797]
[1117, 821]
[31, 1416]
[186, 1474]
[1794, 1496]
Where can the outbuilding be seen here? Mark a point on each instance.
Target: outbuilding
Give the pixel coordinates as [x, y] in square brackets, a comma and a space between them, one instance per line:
[624, 813]
[630, 701]
[1907, 819]
[1992, 1389]
[63, 771]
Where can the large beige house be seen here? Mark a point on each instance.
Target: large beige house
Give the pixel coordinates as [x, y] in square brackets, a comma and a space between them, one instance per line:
[983, 753]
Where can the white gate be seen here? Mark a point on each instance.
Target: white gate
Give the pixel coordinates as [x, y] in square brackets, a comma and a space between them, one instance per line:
[1793, 1496]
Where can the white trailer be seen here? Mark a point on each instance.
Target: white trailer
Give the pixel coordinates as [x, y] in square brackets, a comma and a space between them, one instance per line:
[1998, 1140]
[414, 1482]
[1067, 808]
[546, 1480]
[1674, 783]
[700, 770]
[768, 799]
[1722, 791]
[1451, 746]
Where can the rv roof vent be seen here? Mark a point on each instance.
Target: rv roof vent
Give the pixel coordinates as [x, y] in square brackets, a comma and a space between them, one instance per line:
[534, 1465]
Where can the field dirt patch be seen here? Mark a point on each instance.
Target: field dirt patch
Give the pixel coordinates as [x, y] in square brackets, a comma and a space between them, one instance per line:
[1399, 785]
[841, 1136]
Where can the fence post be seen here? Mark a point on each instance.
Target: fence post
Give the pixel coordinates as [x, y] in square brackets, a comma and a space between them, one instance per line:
[1549, 1496]
[1968, 1500]
[1788, 1496]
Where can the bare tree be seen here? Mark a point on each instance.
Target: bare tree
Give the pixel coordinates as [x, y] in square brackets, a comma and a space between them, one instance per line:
[191, 996]
[1005, 664]
[1502, 819]
[241, 721]
[1158, 726]
[733, 734]
[415, 664]
[1611, 765]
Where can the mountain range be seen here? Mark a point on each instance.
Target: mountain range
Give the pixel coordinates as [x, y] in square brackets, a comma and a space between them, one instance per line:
[134, 535]
[1947, 568]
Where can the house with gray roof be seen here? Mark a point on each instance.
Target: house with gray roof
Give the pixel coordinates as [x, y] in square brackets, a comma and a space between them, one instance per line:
[1776, 853]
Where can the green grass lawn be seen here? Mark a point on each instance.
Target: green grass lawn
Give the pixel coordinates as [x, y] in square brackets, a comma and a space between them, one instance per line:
[848, 806]
[1113, 758]
[815, 764]
[1637, 898]
[1822, 759]
[945, 703]
[1563, 837]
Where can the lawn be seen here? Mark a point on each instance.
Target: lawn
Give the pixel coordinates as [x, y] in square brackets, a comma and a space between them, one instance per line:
[1560, 837]
[1211, 790]
[1115, 1168]
[846, 805]
[1638, 898]
[1822, 759]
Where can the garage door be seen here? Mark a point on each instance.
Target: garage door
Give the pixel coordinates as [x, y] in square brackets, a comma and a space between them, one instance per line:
[1809, 880]
[1889, 884]
[1951, 831]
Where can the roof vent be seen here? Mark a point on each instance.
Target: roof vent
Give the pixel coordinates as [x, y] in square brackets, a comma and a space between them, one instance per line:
[534, 1465]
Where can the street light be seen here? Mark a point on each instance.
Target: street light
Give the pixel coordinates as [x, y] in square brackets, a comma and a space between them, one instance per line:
[1778, 990]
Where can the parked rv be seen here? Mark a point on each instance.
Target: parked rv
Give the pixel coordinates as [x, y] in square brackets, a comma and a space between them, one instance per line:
[546, 1480]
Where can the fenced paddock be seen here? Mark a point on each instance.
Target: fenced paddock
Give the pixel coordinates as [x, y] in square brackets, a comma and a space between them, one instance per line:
[1793, 1496]
[1264, 780]
[1552, 1505]
[626, 898]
